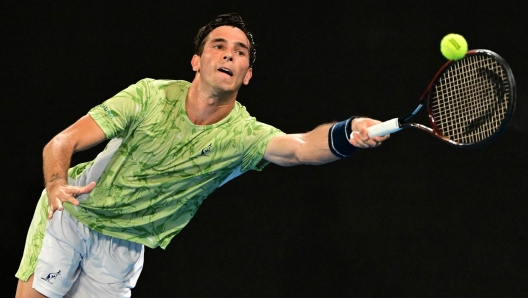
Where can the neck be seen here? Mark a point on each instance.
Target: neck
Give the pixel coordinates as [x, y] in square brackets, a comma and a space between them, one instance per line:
[205, 107]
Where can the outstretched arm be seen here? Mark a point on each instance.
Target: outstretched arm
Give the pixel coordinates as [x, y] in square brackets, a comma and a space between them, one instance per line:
[312, 147]
[83, 134]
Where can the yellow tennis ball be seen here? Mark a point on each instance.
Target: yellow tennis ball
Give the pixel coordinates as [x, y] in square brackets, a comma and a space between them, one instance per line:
[453, 46]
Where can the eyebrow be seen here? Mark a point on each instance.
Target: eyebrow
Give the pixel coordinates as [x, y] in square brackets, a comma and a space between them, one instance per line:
[240, 44]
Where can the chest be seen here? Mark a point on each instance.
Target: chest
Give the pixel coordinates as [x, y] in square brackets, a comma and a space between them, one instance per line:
[175, 147]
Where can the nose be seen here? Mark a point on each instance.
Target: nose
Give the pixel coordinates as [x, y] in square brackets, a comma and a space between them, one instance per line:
[228, 57]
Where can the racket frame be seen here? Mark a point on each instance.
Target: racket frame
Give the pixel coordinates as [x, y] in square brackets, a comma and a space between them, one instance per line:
[397, 124]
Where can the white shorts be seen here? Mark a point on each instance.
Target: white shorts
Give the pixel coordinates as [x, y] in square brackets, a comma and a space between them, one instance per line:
[78, 262]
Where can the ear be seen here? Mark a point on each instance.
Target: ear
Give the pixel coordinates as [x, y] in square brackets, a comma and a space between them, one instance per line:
[195, 62]
[248, 76]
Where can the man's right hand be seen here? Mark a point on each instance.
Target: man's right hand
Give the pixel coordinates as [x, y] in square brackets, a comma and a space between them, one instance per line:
[60, 192]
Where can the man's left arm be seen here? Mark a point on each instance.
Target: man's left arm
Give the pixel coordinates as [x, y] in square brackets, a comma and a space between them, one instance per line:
[313, 147]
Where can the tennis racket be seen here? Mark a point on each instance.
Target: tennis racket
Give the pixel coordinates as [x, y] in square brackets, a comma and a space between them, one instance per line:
[470, 101]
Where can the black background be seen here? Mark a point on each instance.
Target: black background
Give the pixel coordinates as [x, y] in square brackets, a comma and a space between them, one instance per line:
[413, 218]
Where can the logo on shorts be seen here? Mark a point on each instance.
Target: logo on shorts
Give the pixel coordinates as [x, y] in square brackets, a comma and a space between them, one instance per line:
[51, 276]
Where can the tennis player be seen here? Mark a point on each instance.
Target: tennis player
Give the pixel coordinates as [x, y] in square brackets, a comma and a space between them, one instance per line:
[172, 143]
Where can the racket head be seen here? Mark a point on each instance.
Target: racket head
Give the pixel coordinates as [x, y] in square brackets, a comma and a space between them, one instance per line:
[471, 100]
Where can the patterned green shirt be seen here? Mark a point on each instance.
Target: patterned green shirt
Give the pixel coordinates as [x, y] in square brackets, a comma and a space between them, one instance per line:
[165, 165]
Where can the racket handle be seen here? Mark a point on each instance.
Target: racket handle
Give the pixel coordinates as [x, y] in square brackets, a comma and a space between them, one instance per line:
[384, 128]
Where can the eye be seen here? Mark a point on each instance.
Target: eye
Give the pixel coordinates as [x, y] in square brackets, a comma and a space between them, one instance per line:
[241, 53]
[217, 46]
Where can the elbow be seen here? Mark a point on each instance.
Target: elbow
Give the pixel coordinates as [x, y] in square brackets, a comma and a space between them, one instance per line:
[49, 145]
[59, 142]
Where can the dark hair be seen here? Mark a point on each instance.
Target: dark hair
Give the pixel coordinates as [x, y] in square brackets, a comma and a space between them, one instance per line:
[229, 19]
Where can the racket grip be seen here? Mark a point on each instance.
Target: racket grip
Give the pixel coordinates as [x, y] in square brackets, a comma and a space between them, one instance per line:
[384, 128]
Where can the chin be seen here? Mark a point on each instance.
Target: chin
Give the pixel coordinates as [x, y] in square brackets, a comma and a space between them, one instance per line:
[229, 86]
[225, 89]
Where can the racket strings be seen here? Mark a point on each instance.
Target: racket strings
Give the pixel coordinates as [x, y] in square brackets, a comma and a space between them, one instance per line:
[470, 99]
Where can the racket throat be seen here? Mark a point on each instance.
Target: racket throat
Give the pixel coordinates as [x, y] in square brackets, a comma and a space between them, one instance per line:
[418, 108]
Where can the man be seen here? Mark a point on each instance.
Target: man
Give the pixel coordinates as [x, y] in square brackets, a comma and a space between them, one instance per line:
[172, 143]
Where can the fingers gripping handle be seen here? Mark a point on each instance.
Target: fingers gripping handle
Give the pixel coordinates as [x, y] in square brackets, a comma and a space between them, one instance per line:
[384, 128]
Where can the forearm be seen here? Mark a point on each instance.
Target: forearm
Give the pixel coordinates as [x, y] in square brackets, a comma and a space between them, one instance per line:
[324, 144]
[314, 147]
[57, 154]
[56, 160]
[306, 148]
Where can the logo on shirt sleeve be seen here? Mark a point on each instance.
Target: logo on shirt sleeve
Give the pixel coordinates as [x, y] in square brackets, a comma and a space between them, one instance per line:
[107, 110]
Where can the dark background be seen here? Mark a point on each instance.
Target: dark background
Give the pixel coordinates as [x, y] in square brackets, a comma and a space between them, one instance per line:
[413, 218]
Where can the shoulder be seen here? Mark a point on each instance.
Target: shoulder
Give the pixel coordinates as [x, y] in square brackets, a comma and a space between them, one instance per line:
[157, 89]
[250, 124]
[164, 83]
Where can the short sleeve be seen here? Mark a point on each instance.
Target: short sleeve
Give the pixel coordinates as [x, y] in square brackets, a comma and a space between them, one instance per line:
[121, 113]
[258, 135]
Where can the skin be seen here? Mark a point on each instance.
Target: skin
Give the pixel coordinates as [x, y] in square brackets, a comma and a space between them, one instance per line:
[211, 98]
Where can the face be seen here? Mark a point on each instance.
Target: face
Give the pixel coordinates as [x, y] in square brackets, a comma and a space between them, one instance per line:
[224, 63]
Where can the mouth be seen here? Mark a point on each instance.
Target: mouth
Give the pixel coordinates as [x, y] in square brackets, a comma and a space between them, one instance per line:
[226, 71]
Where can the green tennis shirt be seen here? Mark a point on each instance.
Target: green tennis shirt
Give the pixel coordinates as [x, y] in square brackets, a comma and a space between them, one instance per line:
[165, 166]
